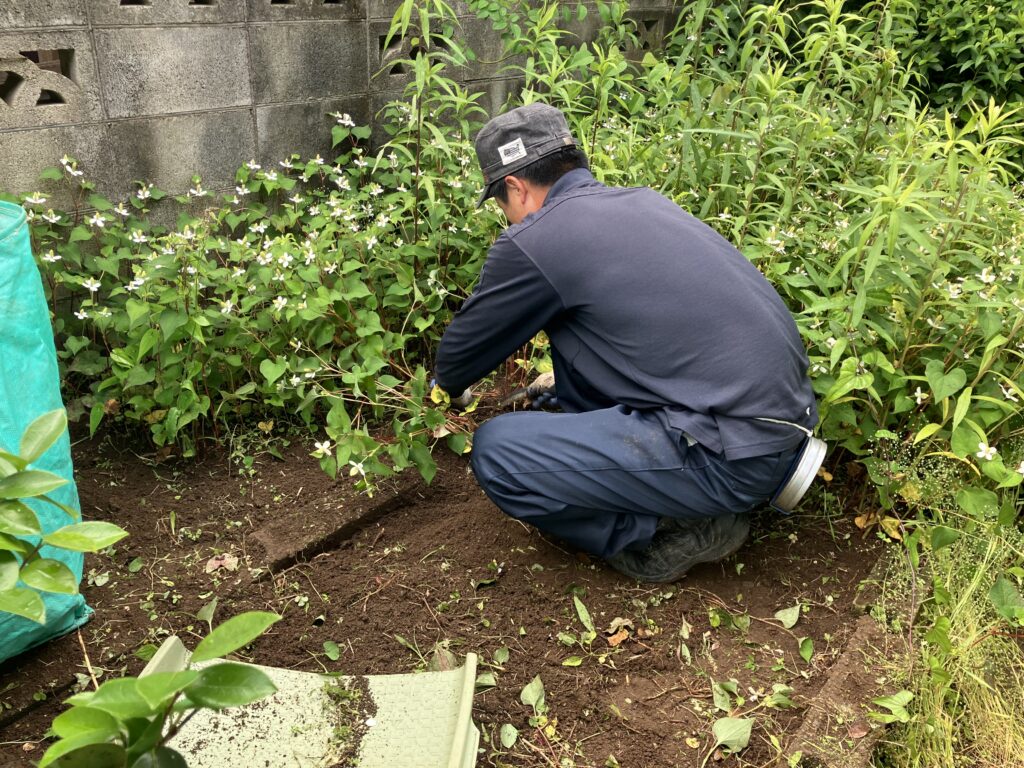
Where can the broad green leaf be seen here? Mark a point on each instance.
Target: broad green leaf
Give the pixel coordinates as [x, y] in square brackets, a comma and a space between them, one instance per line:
[926, 431]
[963, 403]
[159, 687]
[9, 464]
[10, 567]
[237, 632]
[48, 575]
[79, 720]
[573, 661]
[485, 680]
[896, 704]
[42, 433]
[161, 757]
[91, 536]
[87, 750]
[944, 384]
[120, 697]
[532, 695]
[978, 502]
[272, 371]
[331, 650]
[229, 684]
[23, 602]
[1006, 599]
[508, 735]
[31, 482]
[733, 733]
[789, 616]
[583, 613]
[17, 519]
[942, 537]
[206, 613]
[501, 655]
[10, 543]
[806, 649]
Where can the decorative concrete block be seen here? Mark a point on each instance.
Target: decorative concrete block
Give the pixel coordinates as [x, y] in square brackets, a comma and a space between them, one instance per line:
[24, 155]
[283, 129]
[652, 25]
[306, 10]
[21, 14]
[47, 78]
[149, 71]
[388, 70]
[106, 13]
[307, 60]
[385, 9]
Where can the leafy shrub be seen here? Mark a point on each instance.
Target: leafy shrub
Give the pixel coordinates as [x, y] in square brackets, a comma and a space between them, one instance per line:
[21, 536]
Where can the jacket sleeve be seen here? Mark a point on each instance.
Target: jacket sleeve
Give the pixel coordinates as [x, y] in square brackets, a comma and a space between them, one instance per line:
[512, 302]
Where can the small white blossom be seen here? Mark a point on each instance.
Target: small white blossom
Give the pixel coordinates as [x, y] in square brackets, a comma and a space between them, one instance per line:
[36, 198]
[285, 260]
[82, 314]
[297, 199]
[241, 191]
[51, 256]
[252, 165]
[322, 449]
[50, 216]
[286, 164]
[1020, 468]
[360, 163]
[136, 283]
[226, 307]
[986, 276]
[259, 227]
[189, 270]
[318, 160]
[239, 271]
[104, 312]
[295, 380]
[270, 175]
[144, 192]
[91, 284]
[1008, 393]
[97, 220]
[138, 237]
[919, 396]
[986, 452]
[371, 242]
[280, 302]
[329, 269]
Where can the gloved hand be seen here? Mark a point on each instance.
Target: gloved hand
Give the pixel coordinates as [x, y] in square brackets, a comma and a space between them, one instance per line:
[460, 403]
[541, 392]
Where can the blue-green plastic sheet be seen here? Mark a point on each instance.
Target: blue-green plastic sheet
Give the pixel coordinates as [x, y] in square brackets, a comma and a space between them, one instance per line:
[29, 387]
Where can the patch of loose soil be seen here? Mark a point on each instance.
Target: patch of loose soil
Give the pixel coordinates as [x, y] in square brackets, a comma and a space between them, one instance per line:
[444, 568]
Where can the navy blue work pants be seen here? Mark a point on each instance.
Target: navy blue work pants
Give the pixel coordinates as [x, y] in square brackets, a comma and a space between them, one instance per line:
[600, 480]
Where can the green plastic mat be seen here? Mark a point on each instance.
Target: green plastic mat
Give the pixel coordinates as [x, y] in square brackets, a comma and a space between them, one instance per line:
[29, 387]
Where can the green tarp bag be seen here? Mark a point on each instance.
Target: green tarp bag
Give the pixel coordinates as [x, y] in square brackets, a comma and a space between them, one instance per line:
[29, 387]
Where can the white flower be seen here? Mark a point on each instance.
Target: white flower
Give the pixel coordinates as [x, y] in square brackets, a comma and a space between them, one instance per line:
[103, 312]
[360, 163]
[187, 234]
[297, 199]
[270, 175]
[280, 302]
[252, 165]
[376, 189]
[51, 256]
[90, 284]
[241, 191]
[1020, 468]
[342, 183]
[318, 160]
[346, 120]
[252, 289]
[986, 276]
[82, 314]
[818, 368]
[295, 380]
[329, 269]
[189, 270]
[285, 260]
[138, 237]
[830, 342]
[197, 191]
[286, 164]
[144, 192]
[259, 227]
[985, 451]
[371, 242]
[226, 307]
[50, 216]
[919, 396]
[136, 283]
[36, 198]
[322, 449]
[166, 251]
[314, 210]
[97, 220]
[357, 468]
[239, 271]
[310, 258]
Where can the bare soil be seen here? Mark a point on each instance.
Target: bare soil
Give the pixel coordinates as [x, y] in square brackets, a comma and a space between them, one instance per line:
[441, 567]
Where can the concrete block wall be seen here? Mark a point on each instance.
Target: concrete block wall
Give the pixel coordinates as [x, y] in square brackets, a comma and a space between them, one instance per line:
[159, 90]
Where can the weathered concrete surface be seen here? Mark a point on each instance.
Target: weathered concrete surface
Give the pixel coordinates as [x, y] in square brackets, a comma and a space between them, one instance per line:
[306, 10]
[78, 90]
[304, 128]
[19, 14]
[113, 13]
[293, 62]
[152, 71]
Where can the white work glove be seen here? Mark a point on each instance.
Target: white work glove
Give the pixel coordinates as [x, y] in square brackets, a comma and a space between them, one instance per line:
[541, 392]
[463, 401]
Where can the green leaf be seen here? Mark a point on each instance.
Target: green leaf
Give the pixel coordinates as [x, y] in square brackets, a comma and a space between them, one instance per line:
[573, 661]
[978, 502]
[42, 433]
[1006, 599]
[583, 613]
[331, 650]
[896, 704]
[207, 612]
[161, 757]
[48, 575]
[235, 633]
[79, 233]
[944, 384]
[806, 649]
[229, 684]
[120, 697]
[87, 750]
[31, 482]
[170, 321]
[532, 695]
[485, 680]
[10, 567]
[963, 403]
[733, 733]
[10, 543]
[79, 720]
[508, 735]
[272, 371]
[86, 537]
[17, 519]
[789, 616]
[159, 687]
[23, 602]
[501, 655]
[942, 537]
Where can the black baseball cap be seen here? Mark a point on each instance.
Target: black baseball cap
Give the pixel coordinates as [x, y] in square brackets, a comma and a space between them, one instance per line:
[521, 136]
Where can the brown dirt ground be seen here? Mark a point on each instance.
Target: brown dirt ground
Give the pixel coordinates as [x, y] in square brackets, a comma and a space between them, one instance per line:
[445, 567]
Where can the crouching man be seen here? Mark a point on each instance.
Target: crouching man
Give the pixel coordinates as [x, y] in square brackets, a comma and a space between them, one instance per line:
[681, 374]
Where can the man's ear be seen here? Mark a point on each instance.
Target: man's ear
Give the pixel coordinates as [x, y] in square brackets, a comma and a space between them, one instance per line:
[516, 187]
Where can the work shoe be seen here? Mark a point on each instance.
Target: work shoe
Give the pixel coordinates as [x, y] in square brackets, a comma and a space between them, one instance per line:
[678, 545]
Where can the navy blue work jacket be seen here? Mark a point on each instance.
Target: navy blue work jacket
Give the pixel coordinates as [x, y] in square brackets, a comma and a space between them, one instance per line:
[645, 306]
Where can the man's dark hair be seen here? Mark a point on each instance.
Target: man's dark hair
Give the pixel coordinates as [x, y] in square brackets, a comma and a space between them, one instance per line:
[547, 170]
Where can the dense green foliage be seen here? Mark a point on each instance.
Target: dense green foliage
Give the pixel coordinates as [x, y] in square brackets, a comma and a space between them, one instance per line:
[893, 230]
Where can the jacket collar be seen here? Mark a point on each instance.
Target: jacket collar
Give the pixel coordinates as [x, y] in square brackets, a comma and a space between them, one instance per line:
[574, 179]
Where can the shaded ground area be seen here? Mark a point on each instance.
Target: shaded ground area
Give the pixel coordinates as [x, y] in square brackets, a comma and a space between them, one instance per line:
[440, 566]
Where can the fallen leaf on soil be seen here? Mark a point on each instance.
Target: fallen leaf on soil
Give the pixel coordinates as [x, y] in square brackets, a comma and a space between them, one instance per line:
[825, 475]
[226, 561]
[858, 730]
[692, 742]
[618, 637]
[891, 525]
[28, 746]
[866, 519]
[618, 623]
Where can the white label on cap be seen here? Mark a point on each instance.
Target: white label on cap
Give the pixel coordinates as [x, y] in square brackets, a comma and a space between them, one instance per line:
[512, 151]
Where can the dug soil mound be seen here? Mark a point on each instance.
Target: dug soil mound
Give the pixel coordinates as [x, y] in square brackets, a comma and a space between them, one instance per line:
[632, 675]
